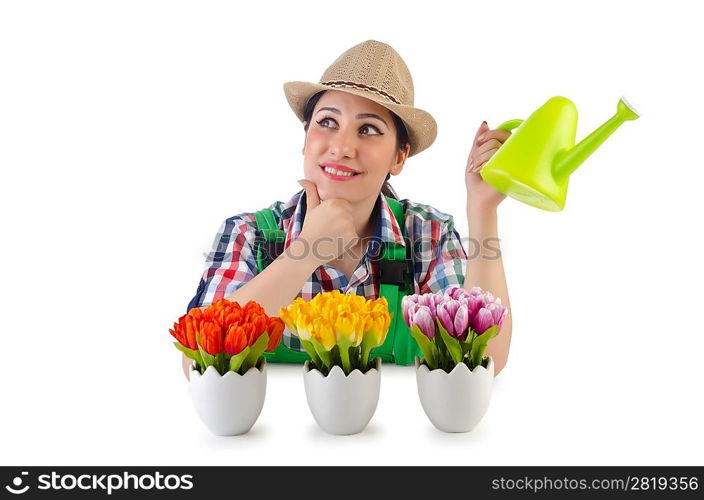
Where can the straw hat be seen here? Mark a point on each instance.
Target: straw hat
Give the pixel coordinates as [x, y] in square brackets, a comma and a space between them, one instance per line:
[373, 70]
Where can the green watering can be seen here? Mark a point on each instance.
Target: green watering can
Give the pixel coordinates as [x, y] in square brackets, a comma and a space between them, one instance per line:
[535, 162]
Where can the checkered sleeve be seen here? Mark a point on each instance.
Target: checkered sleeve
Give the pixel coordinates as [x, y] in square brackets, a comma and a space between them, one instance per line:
[449, 261]
[231, 262]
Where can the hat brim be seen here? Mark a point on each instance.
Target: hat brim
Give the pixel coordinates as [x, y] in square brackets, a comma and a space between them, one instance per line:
[421, 126]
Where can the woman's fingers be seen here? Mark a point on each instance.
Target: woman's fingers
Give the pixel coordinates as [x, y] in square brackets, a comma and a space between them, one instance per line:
[486, 146]
[479, 154]
[483, 128]
[312, 196]
[483, 158]
[486, 143]
[500, 135]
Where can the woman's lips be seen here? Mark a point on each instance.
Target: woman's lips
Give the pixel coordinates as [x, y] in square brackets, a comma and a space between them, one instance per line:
[338, 177]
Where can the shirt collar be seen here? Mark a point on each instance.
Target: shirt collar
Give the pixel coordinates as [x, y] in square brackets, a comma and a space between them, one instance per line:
[386, 229]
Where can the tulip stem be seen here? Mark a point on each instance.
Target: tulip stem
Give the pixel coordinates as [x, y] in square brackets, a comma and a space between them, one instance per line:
[365, 357]
[344, 346]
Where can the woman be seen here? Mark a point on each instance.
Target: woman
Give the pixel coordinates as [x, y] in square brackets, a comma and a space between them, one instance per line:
[360, 127]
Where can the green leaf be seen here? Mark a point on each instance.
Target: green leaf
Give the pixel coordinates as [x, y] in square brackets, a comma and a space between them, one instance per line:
[367, 346]
[221, 362]
[323, 354]
[344, 349]
[443, 355]
[190, 353]
[257, 349]
[451, 343]
[208, 359]
[237, 360]
[479, 344]
[466, 345]
[308, 346]
[335, 358]
[426, 346]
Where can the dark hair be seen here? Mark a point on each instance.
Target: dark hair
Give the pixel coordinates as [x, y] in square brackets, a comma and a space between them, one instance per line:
[401, 136]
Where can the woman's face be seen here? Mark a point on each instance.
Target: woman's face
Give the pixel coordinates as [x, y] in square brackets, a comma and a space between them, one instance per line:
[354, 132]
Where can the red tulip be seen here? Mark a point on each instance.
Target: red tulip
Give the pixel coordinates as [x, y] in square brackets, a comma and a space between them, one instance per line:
[227, 326]
[235, 340]
[211, 337]
[179, 331]
[275, 329]
[185, 331]
[252, 310]
[192, 322]
[249, 330]
[260, 324]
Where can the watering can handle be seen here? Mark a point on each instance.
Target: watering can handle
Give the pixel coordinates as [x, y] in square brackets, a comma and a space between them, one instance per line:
[509, 125]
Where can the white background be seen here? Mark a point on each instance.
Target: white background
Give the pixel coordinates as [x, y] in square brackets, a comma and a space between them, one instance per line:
[130, 130]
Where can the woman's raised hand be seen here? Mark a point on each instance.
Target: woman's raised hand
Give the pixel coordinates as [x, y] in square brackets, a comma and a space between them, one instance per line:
[486, 143]
[328, 228]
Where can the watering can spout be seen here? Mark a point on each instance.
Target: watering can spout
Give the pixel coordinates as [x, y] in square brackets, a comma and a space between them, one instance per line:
[568, 160]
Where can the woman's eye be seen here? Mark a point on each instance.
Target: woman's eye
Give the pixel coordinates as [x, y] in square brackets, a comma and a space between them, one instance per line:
[371, 127]
[325, 120]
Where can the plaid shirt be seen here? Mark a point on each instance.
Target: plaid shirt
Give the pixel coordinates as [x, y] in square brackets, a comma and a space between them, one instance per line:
[439, 260]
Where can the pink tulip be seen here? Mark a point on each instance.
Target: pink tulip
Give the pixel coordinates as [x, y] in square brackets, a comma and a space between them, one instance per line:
[407, 302]
[455, 292]
[429, 300]
[423, 318]
[457, 309]
[409, 312]
[498, 312]
[446, 312]
[483, 321]
[461, 322]
[474, 304]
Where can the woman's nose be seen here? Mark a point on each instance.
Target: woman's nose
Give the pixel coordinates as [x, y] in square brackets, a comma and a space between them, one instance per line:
[344, 144]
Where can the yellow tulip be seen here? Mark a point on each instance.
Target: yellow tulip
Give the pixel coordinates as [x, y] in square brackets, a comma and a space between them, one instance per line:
[380, 306]
[304, 326]
[324, 333]
[345, 327]
[378, 325]
[287, 317]
[359, 330]
[332, 317]
[358, 303]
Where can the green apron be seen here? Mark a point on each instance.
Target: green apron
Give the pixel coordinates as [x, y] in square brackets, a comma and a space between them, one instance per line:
[395, 282]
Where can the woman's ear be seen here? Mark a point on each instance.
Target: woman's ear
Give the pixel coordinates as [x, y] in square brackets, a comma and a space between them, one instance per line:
[400, 160]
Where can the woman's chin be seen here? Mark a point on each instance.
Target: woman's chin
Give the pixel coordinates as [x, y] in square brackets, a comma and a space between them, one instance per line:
[326, 191]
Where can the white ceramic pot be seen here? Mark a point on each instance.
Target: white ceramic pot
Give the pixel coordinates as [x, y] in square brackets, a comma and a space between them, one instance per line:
[342, 404]
[455, 401]
[229, 404]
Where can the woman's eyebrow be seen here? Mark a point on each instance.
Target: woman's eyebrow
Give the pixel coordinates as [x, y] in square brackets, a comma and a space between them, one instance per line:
[361, 115]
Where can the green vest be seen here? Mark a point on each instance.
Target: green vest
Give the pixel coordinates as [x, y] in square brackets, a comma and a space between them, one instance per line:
[395, 282]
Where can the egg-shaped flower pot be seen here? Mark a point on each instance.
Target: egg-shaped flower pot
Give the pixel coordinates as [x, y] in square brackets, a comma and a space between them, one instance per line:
[229, 404]
[455, 401]
[342, 404]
